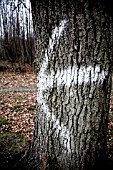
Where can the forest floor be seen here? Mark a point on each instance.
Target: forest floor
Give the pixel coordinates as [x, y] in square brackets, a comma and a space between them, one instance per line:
[18, 107]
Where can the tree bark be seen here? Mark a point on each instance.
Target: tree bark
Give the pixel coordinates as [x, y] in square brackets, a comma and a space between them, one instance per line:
[73, 61]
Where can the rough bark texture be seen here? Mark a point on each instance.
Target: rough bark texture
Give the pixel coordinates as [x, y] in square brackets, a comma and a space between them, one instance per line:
[73, 61]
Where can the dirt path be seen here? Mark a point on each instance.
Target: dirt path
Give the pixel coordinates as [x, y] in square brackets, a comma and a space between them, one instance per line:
[17, 89]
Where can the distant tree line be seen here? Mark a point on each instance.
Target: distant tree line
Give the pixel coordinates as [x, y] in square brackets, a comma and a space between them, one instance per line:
[16, 32]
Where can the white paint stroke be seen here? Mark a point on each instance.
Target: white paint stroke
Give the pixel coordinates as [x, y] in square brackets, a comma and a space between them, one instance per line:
[45, 81]
[65, 77]
[80, 75]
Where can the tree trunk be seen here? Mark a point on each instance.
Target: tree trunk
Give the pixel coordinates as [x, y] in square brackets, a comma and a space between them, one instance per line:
[73, 61]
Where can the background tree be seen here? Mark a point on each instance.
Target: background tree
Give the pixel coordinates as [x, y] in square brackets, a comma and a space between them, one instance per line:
[16, 33]
[73, 41]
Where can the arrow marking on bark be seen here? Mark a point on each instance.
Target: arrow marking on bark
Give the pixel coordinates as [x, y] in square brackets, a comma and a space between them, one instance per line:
[68, 76]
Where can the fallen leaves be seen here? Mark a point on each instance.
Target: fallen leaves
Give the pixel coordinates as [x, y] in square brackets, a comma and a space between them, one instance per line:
[18, 108]
[8, 79]
[15, 107]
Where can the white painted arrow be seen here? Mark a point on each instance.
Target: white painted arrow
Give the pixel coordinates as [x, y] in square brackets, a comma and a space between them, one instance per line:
[67, 76]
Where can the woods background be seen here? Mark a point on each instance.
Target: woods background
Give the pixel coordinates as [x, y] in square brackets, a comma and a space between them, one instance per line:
[16, 32]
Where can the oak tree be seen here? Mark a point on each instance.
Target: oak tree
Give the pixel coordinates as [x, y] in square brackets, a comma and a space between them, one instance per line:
[73, 59]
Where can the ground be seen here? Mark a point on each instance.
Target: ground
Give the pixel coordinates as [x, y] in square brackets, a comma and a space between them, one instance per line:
[18, 109]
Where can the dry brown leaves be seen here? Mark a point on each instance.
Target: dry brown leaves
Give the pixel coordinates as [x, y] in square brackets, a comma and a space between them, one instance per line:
[8, 79]
[19, 108]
